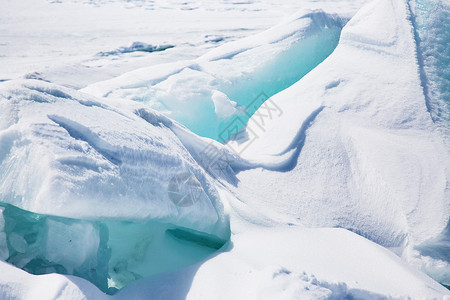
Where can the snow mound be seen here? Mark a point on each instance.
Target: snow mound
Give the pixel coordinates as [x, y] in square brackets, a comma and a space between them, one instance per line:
[354, 145]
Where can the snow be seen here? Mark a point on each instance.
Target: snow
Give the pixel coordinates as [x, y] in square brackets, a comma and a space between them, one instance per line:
[357, 145]
[224, 150]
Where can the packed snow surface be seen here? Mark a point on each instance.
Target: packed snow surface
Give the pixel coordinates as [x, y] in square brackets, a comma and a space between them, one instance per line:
[267, 157]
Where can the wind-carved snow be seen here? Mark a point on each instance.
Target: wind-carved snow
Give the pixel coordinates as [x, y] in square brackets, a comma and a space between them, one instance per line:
[223, 83]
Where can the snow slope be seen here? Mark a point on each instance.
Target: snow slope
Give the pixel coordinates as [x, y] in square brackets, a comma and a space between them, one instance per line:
[296, 263]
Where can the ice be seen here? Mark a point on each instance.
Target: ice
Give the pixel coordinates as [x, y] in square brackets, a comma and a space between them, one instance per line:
[102, 206]
[110, 254]
[18, 243]
[137, 47]
[2, 220]
[4, 251]
[267, 62]
[142, 250]
[432, 27]
[223, 106]
[71, 244]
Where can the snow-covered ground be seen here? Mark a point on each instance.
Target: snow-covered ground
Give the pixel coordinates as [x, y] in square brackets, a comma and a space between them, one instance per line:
[224, 149]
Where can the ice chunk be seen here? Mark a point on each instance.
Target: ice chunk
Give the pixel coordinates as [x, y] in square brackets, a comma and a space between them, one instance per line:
[96, 160]
[102, 202]
[223, 106]
[4, 251]
[137, 47]
[110, 254]
[17, 242]
[71, 244]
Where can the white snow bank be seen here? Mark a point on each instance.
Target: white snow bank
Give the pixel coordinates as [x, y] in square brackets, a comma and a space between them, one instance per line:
[355, 146]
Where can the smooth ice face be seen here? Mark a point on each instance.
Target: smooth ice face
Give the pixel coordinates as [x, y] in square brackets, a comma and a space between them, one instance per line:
[206, 94]
[110, 254]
